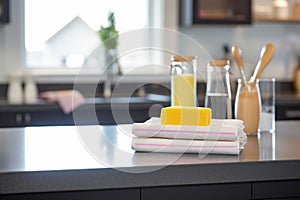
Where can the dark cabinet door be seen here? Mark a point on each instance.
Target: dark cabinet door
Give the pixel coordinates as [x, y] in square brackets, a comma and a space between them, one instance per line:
[276, 189]
[11, 119]
[215, 191]
[35, 118]
[114, 194]
[49, 118]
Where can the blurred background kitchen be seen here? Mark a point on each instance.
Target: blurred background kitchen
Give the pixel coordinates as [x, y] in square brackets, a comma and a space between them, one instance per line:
[52, 41]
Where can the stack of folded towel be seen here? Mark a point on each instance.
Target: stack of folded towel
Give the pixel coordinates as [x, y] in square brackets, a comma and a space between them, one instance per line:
[220, 137]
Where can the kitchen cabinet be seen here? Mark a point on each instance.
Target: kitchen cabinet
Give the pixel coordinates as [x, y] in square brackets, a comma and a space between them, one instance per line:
[215, 12]
[276, 189]
[104, 111]
[212, 191]
[32, 115]
[15, 119]
[113, 194]
[52, 115]
[248, 190]
[4, 11]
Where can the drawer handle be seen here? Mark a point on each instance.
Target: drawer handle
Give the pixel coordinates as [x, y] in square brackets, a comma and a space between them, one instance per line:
[27, 118]
[19, 118]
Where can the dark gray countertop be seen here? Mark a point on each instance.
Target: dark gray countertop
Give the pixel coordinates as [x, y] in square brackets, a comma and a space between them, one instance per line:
[284, 99]
[98, 102]
[40, 159]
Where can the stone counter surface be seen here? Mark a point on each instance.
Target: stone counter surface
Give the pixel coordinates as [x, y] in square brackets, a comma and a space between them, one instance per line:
[84, 158]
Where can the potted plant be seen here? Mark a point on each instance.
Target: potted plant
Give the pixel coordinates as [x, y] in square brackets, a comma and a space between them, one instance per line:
[110, 38]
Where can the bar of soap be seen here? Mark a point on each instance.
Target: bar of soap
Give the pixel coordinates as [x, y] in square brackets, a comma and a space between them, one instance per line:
[180, 115]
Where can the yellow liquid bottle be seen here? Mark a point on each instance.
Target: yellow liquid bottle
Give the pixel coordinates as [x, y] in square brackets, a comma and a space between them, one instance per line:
[183, 90]
[183, 82]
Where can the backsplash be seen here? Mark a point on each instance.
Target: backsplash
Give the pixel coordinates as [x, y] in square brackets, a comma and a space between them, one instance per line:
[250, 38]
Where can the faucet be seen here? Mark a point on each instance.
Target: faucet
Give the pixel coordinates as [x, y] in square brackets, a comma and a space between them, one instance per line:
[112, 69]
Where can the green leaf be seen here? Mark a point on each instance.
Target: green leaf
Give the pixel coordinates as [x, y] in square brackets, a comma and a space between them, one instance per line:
[109, 35]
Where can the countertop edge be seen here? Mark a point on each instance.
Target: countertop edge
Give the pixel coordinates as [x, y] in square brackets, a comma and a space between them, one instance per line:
[110, 178]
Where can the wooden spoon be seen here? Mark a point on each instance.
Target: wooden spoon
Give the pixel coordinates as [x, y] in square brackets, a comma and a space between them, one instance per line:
[266, 56]
[237, 56]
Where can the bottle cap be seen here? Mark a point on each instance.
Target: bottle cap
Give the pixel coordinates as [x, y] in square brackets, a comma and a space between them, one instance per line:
[219, 63]
[183, 58]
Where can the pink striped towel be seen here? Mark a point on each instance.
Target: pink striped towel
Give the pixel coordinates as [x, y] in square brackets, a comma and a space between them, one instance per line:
[220, 137]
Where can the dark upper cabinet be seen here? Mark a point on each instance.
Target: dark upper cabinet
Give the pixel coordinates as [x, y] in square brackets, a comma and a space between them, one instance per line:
[215, 12]
[4, 11]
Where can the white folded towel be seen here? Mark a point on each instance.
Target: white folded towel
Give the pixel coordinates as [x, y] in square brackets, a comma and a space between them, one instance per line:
[220, 137]
[228, 129]
[186, 146]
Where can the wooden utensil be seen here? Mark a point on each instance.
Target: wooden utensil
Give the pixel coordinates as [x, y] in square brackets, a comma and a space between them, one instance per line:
[237, 56]
[266, 56]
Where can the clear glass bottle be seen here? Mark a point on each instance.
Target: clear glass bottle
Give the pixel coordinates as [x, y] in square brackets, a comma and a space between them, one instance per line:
[183, 81]
[218, 91]
[247, 105]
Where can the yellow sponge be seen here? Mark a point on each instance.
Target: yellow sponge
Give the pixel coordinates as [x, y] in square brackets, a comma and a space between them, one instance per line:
[180, 115]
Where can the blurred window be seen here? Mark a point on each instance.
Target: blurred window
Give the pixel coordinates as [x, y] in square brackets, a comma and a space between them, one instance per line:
[63, 33]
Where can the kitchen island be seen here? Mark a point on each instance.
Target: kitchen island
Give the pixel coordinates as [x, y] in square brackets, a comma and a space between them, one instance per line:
[97, 162]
